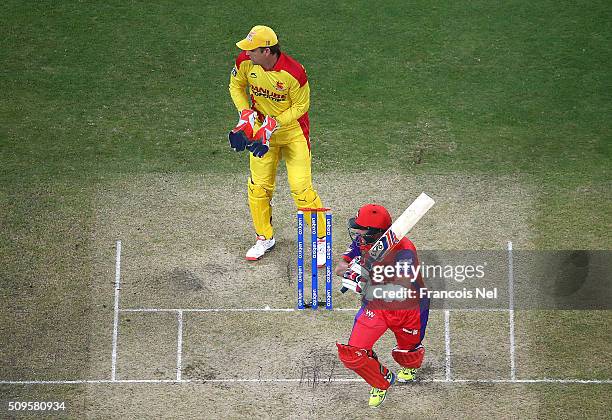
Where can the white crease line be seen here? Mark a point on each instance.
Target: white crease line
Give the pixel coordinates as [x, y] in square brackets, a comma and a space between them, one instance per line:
[227, 310]
[478, 310]
[306, 381]
[208, 310]
[179, 347]
[530, 381]
[447, 345]
[284, 310]
[116, 320]
[511, 310]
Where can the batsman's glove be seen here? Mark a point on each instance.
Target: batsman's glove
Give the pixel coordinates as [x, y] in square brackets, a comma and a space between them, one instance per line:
[356, 277]
[240, 135]
[261, 141]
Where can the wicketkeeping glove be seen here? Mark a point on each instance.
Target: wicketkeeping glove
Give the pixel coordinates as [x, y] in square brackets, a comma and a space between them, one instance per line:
[238, 140]
[246, 122]
[261, 141]
[240, 135]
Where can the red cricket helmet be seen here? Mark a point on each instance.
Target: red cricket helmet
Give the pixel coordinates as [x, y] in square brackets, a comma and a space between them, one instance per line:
[371, 216]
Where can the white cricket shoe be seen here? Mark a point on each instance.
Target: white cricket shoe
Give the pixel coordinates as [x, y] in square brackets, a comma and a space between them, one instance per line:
[262, 246]
[321, 252]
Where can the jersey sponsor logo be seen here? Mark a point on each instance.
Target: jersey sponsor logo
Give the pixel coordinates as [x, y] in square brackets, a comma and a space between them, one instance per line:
[253, 75]
[280, 86]
[234, 71]
[369, 313]
[409, 331]
[265, 93]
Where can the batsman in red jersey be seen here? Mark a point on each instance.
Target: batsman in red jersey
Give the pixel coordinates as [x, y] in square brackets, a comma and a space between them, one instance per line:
[407, 318]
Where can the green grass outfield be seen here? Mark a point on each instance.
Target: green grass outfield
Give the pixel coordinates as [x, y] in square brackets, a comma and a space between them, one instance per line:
[92, 89]
[98, 91]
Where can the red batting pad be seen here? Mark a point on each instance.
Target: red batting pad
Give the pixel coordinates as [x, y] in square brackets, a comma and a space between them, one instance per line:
[364, 364]
[409, 358]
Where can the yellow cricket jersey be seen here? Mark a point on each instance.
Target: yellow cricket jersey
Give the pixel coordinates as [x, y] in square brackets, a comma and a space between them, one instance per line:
[282, 93]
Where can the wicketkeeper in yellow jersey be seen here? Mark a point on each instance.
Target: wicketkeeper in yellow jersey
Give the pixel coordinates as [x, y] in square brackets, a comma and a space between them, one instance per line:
[273, 125]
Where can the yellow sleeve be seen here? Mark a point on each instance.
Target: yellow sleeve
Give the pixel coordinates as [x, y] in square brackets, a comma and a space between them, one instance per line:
[238, 85]
[300, 102]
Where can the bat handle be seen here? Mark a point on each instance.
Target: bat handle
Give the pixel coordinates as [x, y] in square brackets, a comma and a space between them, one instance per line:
[343, 289]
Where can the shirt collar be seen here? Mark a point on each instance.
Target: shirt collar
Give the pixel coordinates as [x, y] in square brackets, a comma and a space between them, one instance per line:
[279, 63]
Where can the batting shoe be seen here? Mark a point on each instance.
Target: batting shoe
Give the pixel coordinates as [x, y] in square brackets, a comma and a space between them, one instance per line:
[406, 375]
[321, 252]
[258, 250]
[377, 396]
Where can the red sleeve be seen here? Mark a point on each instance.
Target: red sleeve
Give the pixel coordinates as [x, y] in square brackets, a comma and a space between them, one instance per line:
[241, 57]
[293, 67]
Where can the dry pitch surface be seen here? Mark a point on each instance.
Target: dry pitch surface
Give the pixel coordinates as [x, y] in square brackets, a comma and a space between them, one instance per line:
[183, 241]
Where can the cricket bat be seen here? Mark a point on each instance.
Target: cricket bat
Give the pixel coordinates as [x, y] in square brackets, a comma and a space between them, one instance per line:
[400, 228]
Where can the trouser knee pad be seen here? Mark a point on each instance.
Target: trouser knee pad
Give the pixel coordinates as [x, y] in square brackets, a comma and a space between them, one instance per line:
[261, 210]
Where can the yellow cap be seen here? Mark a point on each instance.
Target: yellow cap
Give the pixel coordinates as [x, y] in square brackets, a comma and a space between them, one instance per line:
[260, 36]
